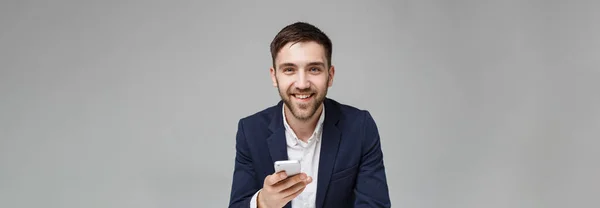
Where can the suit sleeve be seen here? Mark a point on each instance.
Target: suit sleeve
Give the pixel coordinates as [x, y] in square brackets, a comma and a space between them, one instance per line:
[371, 183]
[244, 184]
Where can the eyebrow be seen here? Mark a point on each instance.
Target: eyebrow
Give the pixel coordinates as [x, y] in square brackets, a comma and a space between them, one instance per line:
[286, 64]
[309, 64]
[321, 64]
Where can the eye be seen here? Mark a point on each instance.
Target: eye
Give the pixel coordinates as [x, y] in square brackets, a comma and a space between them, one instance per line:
[288, 69]
[315, 69]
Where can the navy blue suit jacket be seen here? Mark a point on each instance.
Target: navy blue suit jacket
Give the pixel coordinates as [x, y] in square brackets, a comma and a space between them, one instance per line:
[351, 171]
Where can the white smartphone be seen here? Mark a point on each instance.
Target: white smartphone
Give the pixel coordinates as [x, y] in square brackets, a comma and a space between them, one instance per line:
[291, 167]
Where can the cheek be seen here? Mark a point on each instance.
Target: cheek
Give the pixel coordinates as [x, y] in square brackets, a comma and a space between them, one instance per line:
[320, 83]
[283, 86]
[283, 83]
[283, 89]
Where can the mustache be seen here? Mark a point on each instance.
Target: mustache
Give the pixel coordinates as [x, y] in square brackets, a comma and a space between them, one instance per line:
[304, 91]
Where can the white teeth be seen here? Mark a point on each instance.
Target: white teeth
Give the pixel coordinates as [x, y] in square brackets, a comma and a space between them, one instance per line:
[302, 96]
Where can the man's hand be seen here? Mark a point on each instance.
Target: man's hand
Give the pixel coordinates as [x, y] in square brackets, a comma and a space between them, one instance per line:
[278, 189]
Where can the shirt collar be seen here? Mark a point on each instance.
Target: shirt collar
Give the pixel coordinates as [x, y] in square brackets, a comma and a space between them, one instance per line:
[316, 132]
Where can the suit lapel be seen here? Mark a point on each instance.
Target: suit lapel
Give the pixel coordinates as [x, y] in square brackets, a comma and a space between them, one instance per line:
[276, 142]
[277, 146]
[329, 148]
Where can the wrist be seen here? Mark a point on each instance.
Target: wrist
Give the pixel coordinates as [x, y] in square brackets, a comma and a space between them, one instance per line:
[259, 201]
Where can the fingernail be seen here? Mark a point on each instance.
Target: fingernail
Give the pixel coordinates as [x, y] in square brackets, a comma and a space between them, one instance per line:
[303, 176]
[309, 180]
[282, 175]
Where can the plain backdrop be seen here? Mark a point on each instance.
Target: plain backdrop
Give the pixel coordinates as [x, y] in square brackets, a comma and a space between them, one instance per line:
[135, 103]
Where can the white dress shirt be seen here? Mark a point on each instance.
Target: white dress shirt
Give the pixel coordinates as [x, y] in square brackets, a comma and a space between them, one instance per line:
[308, 154]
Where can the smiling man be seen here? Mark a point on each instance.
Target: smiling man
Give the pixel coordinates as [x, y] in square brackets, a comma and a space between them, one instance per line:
[338, 145]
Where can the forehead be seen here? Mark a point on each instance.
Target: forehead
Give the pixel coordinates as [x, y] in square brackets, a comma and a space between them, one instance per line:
[301, 53]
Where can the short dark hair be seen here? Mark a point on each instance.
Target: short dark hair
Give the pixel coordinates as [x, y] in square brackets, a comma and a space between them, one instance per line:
[300, 32]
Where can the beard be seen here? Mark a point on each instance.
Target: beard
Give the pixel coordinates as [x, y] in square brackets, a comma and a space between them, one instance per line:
[303, 111]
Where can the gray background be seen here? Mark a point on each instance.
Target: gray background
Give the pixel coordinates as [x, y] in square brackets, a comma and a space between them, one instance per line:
[135, 103]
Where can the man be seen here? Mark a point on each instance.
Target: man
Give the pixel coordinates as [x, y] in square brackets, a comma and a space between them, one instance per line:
[338, 145]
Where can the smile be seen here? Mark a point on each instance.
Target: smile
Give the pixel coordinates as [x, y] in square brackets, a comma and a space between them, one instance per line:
[302, 97]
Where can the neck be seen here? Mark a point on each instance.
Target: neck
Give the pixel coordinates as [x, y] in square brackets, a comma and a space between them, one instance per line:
[303, 128]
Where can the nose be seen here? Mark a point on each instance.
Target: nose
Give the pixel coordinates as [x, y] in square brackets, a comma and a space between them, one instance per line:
[302, 81]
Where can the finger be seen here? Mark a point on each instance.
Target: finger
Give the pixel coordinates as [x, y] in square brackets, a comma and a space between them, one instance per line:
[296, 187]
[287, 183]
[293, 195]
[275, 178]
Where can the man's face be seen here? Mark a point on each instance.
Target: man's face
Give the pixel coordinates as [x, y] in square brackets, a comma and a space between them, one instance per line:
[302, 77]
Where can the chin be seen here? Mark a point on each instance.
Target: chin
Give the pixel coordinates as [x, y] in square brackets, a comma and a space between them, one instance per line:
[304, 113]
[302, 116]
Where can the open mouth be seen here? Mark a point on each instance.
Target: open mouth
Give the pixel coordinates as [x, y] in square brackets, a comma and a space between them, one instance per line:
[303, 97]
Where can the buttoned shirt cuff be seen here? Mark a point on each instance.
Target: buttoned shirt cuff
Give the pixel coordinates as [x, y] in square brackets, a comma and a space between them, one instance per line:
[253, 202]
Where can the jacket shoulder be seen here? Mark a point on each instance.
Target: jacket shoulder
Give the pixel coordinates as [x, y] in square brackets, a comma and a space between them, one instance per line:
[348, 111]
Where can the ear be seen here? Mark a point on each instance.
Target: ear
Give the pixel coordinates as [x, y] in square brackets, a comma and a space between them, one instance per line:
[331, 74]
[273, 78]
